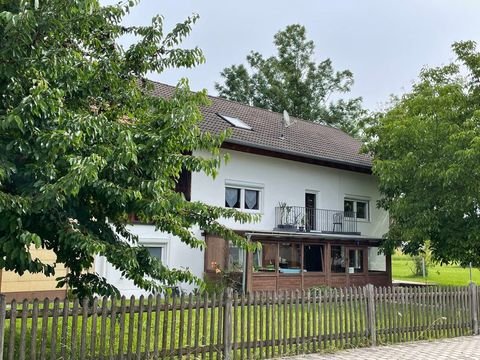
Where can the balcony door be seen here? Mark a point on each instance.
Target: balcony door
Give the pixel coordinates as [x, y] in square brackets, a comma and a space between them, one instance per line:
[310, 205]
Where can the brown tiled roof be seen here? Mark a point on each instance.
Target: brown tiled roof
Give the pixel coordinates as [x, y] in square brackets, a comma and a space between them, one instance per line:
[303, 139]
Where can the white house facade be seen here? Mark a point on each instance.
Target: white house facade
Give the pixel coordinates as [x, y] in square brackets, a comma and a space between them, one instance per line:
[315, 194]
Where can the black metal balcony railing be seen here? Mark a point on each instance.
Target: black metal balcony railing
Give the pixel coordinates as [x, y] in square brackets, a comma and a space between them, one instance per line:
[296, 218]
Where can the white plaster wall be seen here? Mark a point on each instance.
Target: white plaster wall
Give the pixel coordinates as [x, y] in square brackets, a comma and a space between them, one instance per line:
[176, 254]
[281, 181]
[287, 181]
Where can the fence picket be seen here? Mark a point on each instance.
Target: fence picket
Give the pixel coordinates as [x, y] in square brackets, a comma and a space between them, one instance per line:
[353, 316]
[189, 325]
[181, 324]
[173, 326]
[243, 328]
[267, 324]
[261, 329]
[235, 324]
[156, 331]
[3, 315]
[249, 324]
[148, 327]
[103, 327]
[286, 323]
[436, 309]
[13, 320]
[121, 328]
[63, 344]
[205, 322]
[212, 325]
[473, 307]
[340, 318]
[289, 315]
[33, 331]
[275, 323]
[303, 314]
[219, 329]
[23, 330]
[397, 336]
[53, 344]
[43, 349]
[93, 328]
[197, 325]
[131, 322]
[83, 334]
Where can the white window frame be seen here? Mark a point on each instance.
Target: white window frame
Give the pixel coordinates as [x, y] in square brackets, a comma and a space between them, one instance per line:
[155, 242]
[246, 186]
[355, 201]
[160, 244]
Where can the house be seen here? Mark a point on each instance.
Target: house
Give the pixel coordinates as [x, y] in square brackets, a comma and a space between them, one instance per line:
[315, 193]
[31, 286]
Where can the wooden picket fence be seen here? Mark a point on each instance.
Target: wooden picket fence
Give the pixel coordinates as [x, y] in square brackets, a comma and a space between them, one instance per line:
[233, 326]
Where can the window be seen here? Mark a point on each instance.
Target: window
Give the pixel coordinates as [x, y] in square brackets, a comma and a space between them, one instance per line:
[155, 251]
[355, 261]
[264, 258]
[232, 197]
[377, 262]
[251, 199]
[290, 258]
[356, 208]
[313, 258]
[235, 258]
[242, 198]
[289, 255]
[235, 122]
[184, 184]
[337, 257]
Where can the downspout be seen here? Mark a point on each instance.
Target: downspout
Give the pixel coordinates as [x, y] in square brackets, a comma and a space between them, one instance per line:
[244, 272]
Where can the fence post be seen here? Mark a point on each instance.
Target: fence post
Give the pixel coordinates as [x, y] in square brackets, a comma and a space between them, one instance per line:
[3, 311]
[227, 325]
[474, 309]
[370, 295]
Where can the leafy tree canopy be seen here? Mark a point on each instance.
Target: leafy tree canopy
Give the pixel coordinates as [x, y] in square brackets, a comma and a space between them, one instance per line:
[293, 81]
[426, 152]
[83, 143]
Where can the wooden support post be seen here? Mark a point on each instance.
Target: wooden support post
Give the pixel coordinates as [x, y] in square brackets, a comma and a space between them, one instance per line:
[227, 325]
[3, 311]
[474, 307]
[370, 297]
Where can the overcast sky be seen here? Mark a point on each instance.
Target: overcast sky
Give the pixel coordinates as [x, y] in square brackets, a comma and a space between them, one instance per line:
[384, 43]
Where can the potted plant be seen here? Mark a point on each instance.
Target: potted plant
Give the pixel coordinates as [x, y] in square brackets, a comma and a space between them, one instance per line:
[287, 221]
[301, 227]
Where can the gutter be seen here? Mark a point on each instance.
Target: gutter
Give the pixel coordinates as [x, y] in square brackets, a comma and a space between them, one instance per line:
[309, 235]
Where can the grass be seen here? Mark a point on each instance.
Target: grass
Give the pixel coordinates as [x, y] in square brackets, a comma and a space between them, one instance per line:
[453, 275]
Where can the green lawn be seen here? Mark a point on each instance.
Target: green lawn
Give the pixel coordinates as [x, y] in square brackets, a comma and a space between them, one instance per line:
[402, 269]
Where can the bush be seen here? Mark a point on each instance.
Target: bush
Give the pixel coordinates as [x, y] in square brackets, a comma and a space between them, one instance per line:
[418, 265]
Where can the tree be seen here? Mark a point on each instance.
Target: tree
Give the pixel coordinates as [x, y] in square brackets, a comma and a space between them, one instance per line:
[83, 143]
[426, 152]
[293, 81]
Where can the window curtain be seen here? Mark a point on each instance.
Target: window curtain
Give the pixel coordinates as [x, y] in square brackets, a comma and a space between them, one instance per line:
[232, 196]
[251, 199]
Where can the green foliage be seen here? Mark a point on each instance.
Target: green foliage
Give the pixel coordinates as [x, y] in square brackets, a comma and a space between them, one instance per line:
[418, 264]
[83, 143]
[426, 152]
[293, 81]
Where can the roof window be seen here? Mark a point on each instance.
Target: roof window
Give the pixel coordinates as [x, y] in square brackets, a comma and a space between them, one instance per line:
[235, 122]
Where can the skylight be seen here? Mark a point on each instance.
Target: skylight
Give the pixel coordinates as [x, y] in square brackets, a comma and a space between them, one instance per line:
[235, 122]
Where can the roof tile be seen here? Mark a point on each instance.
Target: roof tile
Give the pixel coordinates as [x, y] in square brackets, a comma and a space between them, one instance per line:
[303, 138]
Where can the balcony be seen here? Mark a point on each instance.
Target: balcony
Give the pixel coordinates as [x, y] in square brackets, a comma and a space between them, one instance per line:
[299, 219]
